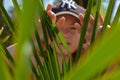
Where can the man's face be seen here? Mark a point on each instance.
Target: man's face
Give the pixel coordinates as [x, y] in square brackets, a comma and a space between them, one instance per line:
[70, 32]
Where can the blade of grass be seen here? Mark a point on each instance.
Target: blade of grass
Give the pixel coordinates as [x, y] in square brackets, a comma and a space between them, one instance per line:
[38, 61]
[96, 20]
[26, 27]
[114, 75]
[3, 40]
[59, 35]
[47, 63]
[55, 33]
[7, 19]
[108, 14]
[43, 55]
[48, 51]
[57, 66]
[117, 17]
[6, 53]
[4, 72]
[23, 66]
[37, 76]
[84, 28]
[48, 22]
[64, 64]
[1, 30]
[50, 66]
[17, 8]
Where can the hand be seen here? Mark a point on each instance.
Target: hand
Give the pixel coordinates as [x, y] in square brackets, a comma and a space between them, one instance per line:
[61, 22]
[90, 29]
[52, 15]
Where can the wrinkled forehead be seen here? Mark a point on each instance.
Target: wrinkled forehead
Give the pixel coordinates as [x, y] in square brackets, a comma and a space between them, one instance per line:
[69, 18]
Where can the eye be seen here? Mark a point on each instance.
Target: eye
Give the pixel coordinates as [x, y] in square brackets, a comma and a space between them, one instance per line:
[72, 28]
[84, 40]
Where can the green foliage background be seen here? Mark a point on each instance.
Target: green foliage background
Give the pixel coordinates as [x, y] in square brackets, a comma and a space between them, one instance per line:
[101, 56]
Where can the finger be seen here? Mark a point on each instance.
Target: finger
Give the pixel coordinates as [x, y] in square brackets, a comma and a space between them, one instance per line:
[88, 37]
[101, 20]
[60, 22]
[91, 21]
[49, 7]
[52, 15]
[90, 24]
[78, 27]
[90, 28]
[81, 18]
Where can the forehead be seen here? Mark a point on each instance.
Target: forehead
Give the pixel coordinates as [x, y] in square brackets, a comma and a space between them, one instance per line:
[69, 18]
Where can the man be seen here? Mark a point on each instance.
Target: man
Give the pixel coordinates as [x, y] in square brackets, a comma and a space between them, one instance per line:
[68, 17]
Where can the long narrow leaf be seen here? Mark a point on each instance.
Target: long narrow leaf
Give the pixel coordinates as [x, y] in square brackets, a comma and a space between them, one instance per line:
[7, 19]
[35, 71]
[112, 75]
[108, 14]
[17, 8]
[43, 55]
[96, 21]
[84, 28]
[117, 17]
[4, 69]
[37, 58]
[6, 53]
[24, 48]
[57, 66]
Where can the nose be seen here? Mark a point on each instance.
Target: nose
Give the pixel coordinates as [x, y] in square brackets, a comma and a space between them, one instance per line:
[65, 34]
[64, 31]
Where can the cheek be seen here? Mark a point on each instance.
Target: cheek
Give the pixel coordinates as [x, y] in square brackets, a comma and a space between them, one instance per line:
[74, 42]
[75, 39]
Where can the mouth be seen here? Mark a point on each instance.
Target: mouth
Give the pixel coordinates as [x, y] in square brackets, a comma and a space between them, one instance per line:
[68, 43]
[84, 41]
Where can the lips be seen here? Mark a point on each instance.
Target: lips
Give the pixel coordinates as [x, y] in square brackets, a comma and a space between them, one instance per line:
[86, 42]
[68, 43]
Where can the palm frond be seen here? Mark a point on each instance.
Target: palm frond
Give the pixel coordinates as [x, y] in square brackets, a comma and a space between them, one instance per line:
[42, 63]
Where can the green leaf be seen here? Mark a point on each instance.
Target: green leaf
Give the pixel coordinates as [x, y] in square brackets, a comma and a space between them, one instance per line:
[23, 66]
[99, 56]
[3, 40]
[6, 53]
[108, 14]
[17, 8]
[4, 72]
[1, 31]
[112, 75]
[26, 27]
[84, 28]
[96, 21]
[7, 19]
[117, 17]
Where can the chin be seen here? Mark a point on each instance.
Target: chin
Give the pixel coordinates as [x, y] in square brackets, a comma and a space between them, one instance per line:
[65, 52]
